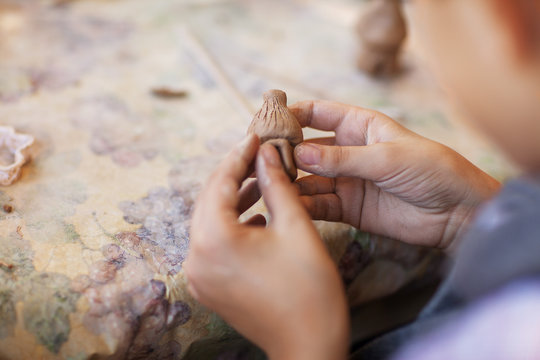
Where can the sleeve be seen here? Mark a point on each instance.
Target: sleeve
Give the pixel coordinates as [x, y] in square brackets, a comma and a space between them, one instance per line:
[504, 325]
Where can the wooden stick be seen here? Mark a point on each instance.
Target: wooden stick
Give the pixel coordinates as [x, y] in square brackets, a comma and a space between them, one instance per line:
[214, 69]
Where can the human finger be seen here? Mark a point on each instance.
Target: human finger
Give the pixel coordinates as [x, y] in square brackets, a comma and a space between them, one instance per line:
[280, 195]
[220, 198]
[256, 220]
[238, 164]
[326, 207]
[320, 114]
[368, 162]
[331, 140]
[329, 115]
[248, 195]
[314, 184]
[353, 124]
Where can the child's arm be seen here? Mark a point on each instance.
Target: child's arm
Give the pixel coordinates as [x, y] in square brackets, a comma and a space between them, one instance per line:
[276, 285]
[385, 179]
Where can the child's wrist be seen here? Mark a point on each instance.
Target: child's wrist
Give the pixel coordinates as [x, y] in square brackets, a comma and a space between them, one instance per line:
[319, 353]
[464, 215]
[321, 345]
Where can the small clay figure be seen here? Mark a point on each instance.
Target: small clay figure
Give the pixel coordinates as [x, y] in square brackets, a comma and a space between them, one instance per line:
[166, 92]
[381, 31]
[275, 124]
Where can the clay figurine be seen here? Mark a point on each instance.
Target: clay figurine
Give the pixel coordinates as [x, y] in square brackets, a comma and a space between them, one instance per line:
[275, 124]
[381, 31]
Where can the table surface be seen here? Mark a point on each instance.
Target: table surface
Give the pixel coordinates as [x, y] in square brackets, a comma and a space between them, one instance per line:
[91, 254]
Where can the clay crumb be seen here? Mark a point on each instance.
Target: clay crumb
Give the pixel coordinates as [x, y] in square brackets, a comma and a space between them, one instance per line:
[7, 208]
[169, 93]
[6, 265]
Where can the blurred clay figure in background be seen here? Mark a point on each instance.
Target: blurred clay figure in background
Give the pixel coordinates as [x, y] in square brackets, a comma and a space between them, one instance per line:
[277, 284]
[381, 31]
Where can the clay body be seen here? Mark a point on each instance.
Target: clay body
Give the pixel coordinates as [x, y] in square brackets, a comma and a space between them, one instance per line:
[275, 124]
[381, 31]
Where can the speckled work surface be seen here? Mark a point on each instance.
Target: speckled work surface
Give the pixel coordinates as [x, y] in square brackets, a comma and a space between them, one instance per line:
[91, 252]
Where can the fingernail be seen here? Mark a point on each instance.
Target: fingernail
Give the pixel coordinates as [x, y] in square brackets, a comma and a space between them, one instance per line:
[269, 156]
[309, 154]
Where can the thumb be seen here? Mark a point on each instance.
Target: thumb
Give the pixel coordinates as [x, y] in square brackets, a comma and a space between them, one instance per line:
[369, 162]
[280, 195]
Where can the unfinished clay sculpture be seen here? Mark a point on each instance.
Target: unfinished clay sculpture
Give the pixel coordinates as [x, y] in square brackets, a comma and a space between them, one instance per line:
[381, 31]
[14, 153]
[275, 124]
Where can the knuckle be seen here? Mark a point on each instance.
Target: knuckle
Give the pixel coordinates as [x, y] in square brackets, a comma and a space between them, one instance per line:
[324, 210]
[202, 244]
[338, 155]
[336, 160]
[307, 203]
[308, 188]
[207, 241]
[197, 249]
[309, 112]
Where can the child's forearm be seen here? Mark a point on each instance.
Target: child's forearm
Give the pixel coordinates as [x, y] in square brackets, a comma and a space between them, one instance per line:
[332, 344]
[330, 353]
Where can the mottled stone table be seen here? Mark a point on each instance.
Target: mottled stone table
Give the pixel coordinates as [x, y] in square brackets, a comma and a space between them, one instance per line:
[91, 253]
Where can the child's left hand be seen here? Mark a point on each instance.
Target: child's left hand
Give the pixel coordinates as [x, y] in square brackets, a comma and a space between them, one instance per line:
[276, 285]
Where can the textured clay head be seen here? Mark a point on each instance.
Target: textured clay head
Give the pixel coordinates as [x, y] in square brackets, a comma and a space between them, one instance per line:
[275, 124]
[275, 121]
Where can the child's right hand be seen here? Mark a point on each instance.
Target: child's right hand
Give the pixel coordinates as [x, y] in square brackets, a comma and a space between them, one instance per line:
[383, 178]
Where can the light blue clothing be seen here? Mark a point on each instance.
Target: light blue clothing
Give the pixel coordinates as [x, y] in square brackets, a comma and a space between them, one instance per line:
[489, 305]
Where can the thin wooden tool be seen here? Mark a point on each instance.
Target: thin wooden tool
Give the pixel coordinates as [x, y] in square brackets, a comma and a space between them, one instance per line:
[192, 44]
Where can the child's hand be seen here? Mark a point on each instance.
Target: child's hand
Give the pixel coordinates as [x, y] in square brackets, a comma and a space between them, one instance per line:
[385, 179]
[276, 285]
